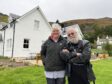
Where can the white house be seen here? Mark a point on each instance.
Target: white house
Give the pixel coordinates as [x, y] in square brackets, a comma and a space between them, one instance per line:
[101, 41]
[24, 35]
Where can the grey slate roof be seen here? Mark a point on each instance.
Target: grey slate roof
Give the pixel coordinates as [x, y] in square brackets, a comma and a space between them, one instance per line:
[14, 16]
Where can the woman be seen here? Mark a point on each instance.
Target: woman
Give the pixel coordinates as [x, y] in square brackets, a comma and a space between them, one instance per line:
[50, 52]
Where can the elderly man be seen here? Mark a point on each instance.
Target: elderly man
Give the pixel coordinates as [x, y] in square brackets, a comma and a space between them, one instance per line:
[77, 56]
[50, 52]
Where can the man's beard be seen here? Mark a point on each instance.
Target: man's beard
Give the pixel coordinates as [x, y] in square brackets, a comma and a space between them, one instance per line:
[73, 40]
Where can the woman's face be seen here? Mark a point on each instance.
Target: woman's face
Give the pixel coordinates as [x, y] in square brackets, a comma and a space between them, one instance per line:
[55, 33]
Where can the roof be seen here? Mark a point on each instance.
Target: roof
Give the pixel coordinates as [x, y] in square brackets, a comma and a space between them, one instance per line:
[2, 24]
[18, 18]
[105, 40]
[14, 16]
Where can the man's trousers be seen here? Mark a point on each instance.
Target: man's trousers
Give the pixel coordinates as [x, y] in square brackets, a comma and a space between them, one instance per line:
[78, 75]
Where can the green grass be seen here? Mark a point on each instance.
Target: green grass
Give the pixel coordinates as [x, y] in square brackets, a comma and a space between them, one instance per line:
[35, 75]
[103, 71]
[26, 75]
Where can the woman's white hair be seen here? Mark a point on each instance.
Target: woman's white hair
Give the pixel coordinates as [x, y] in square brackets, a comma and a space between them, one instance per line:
[56, 26]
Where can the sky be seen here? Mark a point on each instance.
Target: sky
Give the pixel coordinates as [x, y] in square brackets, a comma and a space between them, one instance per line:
[62, 10]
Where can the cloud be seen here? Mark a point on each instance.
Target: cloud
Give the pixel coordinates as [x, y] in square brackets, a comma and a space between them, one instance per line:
[60, 9]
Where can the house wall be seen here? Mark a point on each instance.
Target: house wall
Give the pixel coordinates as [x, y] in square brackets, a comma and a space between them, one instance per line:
[101, 42]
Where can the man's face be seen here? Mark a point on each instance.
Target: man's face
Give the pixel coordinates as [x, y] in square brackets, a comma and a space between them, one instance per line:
[72, 36]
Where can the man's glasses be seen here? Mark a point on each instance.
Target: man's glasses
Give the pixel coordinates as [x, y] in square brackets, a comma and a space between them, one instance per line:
[70, 34]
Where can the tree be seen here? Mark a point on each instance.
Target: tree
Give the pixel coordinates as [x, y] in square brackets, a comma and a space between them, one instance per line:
[108, 48]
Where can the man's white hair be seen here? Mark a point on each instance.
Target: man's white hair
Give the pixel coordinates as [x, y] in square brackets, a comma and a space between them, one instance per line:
[71, 28]
[73, 39]
[56, 26]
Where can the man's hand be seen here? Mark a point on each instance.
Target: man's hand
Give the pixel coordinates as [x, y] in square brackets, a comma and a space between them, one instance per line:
[65, 50]
[78, 54]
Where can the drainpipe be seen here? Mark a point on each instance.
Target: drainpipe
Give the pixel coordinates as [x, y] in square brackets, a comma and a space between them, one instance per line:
[14, 22]
[4, 42]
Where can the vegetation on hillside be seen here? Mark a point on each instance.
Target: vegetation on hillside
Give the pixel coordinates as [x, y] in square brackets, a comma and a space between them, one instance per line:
[3, 18]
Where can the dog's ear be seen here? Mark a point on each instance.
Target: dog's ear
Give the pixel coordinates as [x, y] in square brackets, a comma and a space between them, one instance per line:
[58, 22]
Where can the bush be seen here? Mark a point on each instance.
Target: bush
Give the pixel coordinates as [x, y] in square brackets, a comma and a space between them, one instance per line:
[108, 48]
[3, 57]
[110, 53]
[99, 51]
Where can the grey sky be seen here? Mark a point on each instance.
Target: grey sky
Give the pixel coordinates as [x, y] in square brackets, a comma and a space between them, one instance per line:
[60, 9]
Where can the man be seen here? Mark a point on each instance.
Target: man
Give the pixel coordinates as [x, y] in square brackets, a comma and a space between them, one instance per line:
[77, 57]
[50, 52]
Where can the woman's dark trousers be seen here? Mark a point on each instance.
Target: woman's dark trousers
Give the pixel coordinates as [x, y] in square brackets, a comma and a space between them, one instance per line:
[56, 81]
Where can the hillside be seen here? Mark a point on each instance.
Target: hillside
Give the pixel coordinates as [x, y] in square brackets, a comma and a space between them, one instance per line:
[100, 22]
[3, 17]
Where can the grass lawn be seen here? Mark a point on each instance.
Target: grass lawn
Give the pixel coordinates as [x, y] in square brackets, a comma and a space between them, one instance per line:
[103, 71]
[35, 75]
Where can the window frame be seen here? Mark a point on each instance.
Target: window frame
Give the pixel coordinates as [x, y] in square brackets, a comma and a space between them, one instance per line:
[26, 42]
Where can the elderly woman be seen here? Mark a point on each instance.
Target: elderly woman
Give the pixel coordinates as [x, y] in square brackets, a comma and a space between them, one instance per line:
[50, 52]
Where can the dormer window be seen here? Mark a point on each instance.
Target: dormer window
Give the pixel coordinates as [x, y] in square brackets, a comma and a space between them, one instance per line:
[11, 24]
[36, 24]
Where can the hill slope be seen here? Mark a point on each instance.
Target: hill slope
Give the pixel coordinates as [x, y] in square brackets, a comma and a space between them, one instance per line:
[100, 22]
[3, 18]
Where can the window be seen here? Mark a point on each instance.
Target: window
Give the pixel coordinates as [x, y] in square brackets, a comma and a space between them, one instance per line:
[36, 24]
[26, 43]
[9, 43]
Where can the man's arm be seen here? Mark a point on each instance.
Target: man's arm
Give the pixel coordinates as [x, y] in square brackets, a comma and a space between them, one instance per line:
[65, 53]
[84, 56]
